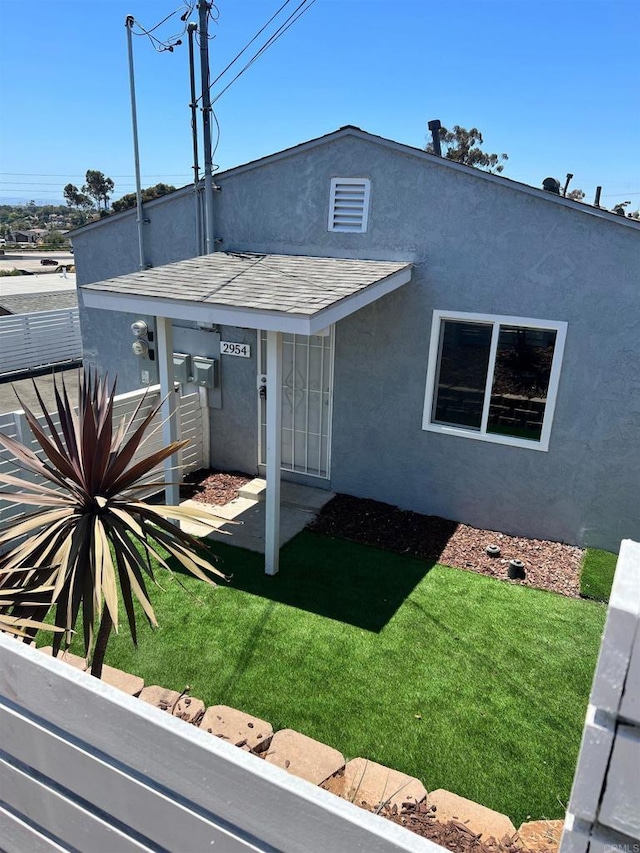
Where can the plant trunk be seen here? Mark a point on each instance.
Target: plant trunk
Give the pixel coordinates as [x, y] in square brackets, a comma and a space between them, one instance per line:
[101, 643]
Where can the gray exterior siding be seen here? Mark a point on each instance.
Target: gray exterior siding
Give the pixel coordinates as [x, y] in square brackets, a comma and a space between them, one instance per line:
[478, 246]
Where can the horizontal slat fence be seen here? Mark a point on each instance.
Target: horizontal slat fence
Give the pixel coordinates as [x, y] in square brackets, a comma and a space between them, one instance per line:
[87, 768]
[604, 809]
[29, 341]
[14, 424]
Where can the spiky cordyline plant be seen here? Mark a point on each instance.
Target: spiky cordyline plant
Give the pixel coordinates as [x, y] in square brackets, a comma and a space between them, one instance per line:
[89, 531]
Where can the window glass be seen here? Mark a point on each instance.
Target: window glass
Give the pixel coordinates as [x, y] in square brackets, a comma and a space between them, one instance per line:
[521, 381]
[462, 373]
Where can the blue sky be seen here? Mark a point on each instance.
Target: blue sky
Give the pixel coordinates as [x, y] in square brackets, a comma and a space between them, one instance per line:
[553, 84]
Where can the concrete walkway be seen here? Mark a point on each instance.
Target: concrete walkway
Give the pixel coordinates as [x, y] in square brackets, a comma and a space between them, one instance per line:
[242, 521]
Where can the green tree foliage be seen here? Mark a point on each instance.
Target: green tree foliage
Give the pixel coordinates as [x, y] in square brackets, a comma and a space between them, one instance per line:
[463, 146]
[98, 187]
[129, 200]
[54, 239]
[75, 198]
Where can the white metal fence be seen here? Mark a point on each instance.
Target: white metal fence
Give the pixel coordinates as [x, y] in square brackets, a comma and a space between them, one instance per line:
[604, 809]
[29, 341]
[192, 411]
[84, 767]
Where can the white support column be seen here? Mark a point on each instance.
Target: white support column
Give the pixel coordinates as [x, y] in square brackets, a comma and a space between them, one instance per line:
[164, 354]
[274, 439]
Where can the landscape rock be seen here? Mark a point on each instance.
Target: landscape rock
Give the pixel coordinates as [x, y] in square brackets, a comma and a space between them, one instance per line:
[131, 684]
[304, 757]
[236, 727]
[66, 657]
[368, 785]
[539, 835]
[478, 818]
[180, 705]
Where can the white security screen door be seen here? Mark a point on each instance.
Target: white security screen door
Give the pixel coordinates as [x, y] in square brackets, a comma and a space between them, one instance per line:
[307, 398]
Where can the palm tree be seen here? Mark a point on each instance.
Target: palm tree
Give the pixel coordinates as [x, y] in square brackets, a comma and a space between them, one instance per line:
[89, 534]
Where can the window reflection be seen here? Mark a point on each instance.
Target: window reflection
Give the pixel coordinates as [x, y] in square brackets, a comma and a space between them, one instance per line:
[521, 381]
[462, 373]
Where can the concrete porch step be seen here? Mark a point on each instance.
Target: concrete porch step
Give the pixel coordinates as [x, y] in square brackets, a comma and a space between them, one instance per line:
[291, 494]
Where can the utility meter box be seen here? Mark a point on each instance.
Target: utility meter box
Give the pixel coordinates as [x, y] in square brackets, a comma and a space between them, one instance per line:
[205, 371]
[181, 367]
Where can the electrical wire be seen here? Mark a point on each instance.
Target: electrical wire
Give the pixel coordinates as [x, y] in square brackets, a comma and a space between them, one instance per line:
[295, 16]
[167, 44]
[78, 175]
[247, 45]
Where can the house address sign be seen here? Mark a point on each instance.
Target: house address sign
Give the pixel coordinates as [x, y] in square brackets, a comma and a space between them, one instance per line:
[231, 348]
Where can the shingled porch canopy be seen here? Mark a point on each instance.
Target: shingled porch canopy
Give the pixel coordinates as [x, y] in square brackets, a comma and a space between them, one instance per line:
[275, 293]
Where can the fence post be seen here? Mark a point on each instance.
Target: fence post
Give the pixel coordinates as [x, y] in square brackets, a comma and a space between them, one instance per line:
[24, 436]
[203, 399]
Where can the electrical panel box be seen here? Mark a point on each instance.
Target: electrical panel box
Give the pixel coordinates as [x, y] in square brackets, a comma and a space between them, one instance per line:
[205, 371]
[181, 367]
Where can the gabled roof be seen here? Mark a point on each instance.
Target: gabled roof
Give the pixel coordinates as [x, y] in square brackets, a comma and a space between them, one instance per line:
[284, 293]
[432, 159]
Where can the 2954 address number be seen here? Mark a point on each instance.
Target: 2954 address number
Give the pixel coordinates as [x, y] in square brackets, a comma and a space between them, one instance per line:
[231, 348]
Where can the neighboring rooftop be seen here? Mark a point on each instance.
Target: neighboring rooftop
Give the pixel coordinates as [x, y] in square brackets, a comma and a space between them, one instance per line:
[27, 303]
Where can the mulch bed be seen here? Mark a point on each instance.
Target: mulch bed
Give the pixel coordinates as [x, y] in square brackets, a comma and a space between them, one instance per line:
[209, 486]
[453, 835]
[548, 565]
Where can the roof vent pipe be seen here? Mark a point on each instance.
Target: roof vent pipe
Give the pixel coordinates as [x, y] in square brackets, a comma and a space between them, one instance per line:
[566, 184]
[551, 185]
[434, 126]
[596, 202]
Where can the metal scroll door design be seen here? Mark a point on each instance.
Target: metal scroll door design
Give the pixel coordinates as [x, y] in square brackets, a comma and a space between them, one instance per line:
[307, 394]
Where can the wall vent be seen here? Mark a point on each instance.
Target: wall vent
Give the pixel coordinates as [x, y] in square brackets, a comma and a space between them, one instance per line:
[349, 204]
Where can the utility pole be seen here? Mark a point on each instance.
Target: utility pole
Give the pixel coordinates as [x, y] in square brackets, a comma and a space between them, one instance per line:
[129, 21]
[191, 31]
[203, 9]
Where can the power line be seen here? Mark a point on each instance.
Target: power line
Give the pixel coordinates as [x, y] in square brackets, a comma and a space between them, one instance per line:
[295, 16]
[248, 44]
[71, 175]
[161, 45]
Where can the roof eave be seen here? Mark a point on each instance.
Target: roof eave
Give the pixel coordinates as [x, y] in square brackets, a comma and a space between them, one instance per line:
[244, 317]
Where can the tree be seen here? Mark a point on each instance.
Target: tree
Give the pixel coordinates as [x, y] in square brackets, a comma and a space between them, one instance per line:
[54, 239]
[462, 146]
[129, 200]
[90, 533]
[98, 187]
[75, 198]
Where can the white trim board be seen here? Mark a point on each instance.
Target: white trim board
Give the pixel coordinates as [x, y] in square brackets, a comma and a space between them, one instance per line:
[496, 320]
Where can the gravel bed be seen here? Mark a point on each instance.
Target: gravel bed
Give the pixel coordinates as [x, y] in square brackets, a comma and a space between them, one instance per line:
[548, 565]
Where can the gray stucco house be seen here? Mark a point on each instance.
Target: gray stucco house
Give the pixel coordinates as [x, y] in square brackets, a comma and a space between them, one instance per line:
[487, 371]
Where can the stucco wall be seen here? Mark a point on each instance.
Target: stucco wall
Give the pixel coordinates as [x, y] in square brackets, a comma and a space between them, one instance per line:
[477, 246]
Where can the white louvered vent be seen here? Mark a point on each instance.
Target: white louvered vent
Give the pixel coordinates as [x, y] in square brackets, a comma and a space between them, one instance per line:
[349, 204]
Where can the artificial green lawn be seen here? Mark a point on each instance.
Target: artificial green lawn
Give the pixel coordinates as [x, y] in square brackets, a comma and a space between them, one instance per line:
[468, 683]
[596, 577]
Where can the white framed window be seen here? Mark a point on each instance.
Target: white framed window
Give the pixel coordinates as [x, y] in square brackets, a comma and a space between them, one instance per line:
[493, 378]
[349, 204]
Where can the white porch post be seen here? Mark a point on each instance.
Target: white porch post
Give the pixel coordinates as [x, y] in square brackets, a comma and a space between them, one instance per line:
[164, 354]
[274, 438]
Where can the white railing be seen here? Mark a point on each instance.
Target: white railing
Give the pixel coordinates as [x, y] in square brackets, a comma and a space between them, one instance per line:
[29, 341]
[604, 809]
[85, 767]
[192, 408]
